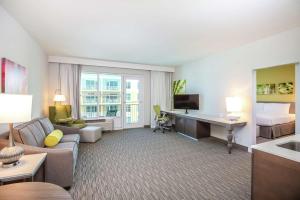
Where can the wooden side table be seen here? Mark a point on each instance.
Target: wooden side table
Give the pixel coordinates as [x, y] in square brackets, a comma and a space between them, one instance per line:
[33, 191]
[27, 168]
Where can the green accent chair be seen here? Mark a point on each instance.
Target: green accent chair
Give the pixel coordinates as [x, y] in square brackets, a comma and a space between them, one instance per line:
[62, 115]
[161, 120]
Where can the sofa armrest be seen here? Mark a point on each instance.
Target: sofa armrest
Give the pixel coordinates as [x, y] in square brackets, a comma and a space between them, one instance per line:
[58, 163]
[67, 130]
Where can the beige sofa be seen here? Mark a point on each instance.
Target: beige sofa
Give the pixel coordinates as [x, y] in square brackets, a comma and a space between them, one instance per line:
[61, 159]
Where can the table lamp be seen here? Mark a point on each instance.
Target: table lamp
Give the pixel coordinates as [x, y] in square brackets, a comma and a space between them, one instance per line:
[58, 97]
[13, 109]
[234, 108]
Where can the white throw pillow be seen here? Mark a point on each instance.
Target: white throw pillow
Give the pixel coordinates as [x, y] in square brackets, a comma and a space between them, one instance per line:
[277, 108]
[259, 108]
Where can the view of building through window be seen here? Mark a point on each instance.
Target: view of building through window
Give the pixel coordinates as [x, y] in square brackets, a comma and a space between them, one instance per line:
[132, 101]
[101, 96]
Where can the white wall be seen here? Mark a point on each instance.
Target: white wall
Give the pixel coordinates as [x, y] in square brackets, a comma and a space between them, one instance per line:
[297, 90]
[230, 73]
[53, 82]
[17, 45]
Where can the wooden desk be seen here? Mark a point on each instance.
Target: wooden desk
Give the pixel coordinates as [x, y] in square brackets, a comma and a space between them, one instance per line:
[198, 125]
[33, 191]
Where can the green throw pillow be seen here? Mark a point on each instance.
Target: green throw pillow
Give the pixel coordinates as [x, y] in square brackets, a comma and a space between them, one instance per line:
[65, 120]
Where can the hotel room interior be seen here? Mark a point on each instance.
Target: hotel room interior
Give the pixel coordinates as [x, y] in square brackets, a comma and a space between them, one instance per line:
[193, 99]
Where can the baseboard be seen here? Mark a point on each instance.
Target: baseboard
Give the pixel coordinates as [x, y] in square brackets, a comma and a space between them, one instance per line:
[187, 136]
[238, 146]
[147, 126]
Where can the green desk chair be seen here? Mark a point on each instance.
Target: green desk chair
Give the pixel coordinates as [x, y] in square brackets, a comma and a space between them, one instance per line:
[62, 115]
[161, 120]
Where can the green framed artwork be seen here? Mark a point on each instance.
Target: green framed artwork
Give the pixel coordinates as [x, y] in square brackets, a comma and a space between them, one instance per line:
[179, 87]
[266, 89]
[286, 88]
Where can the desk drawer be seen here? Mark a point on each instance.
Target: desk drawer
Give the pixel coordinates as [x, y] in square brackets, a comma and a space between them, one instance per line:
[179, 124]
[192, 127]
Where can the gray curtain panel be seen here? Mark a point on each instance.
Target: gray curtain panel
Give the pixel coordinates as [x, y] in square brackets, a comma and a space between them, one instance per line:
[70, 75]
[161, 91]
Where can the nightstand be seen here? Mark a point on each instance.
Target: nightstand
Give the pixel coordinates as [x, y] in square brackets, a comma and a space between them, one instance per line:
[27, 168]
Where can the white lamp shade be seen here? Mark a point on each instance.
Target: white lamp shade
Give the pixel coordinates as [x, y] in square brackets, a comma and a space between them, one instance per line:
[233, 104]
[15, 108]
[59, 98]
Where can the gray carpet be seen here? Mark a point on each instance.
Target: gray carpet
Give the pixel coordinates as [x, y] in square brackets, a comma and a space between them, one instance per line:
[260, 140]
[138, 164]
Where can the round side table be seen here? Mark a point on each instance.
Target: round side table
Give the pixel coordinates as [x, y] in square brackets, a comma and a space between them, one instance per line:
[33, 190]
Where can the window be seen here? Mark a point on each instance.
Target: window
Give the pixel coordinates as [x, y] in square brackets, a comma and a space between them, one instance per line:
[100, 95]
[111, 110]
[128, 113]
[128, 85]
[128, 108]
[90, 84]
[111, 84]
[89, 96]
[128, 97]
[90, 99]
[91, 109]
[112, 98]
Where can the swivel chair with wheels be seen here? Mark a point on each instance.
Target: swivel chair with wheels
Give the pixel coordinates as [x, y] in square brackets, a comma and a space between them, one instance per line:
[161, 120]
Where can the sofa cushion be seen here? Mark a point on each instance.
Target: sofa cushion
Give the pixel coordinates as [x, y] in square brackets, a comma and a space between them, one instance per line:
[31, 133]
[71, 138]
[72, 146]
[46, 124]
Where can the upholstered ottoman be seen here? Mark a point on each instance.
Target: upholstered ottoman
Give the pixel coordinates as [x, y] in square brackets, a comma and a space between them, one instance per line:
[90, 134]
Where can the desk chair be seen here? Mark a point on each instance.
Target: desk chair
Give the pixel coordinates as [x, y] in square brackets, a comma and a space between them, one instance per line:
[161, 120]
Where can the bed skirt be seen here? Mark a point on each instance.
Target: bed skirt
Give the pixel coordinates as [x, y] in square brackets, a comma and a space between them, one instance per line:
[277, 130]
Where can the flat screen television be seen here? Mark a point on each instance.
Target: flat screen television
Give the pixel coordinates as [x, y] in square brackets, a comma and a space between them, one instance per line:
[186, 101]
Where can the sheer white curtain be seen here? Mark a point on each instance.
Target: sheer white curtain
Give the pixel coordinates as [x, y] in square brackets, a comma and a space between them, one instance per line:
[161, 91]
[69, 77]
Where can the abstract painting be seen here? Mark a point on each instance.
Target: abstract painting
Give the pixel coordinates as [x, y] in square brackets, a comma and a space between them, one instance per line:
[286, 88]
[14, 78]
[266, 89]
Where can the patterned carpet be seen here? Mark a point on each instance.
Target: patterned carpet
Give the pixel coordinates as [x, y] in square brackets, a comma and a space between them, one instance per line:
[138, 164]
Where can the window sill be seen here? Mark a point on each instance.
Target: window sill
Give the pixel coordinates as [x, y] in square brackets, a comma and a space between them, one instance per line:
[103, 119]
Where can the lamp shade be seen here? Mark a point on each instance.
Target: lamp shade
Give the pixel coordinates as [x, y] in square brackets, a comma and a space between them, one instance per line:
[15, 108]
[233, 104]
[59, 98]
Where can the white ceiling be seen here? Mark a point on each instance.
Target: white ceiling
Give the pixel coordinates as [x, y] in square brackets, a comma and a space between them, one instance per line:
[161, 32]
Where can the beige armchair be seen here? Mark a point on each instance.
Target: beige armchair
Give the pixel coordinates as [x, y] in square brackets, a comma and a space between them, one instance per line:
[61, 160]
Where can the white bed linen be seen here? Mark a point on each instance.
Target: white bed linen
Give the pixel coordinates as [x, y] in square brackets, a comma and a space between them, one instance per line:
[272, 119]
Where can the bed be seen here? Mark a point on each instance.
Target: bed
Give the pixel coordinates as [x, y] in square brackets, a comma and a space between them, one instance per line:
[275, 119]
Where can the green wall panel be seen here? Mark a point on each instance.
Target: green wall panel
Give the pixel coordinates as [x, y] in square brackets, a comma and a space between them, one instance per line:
[276, 75]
